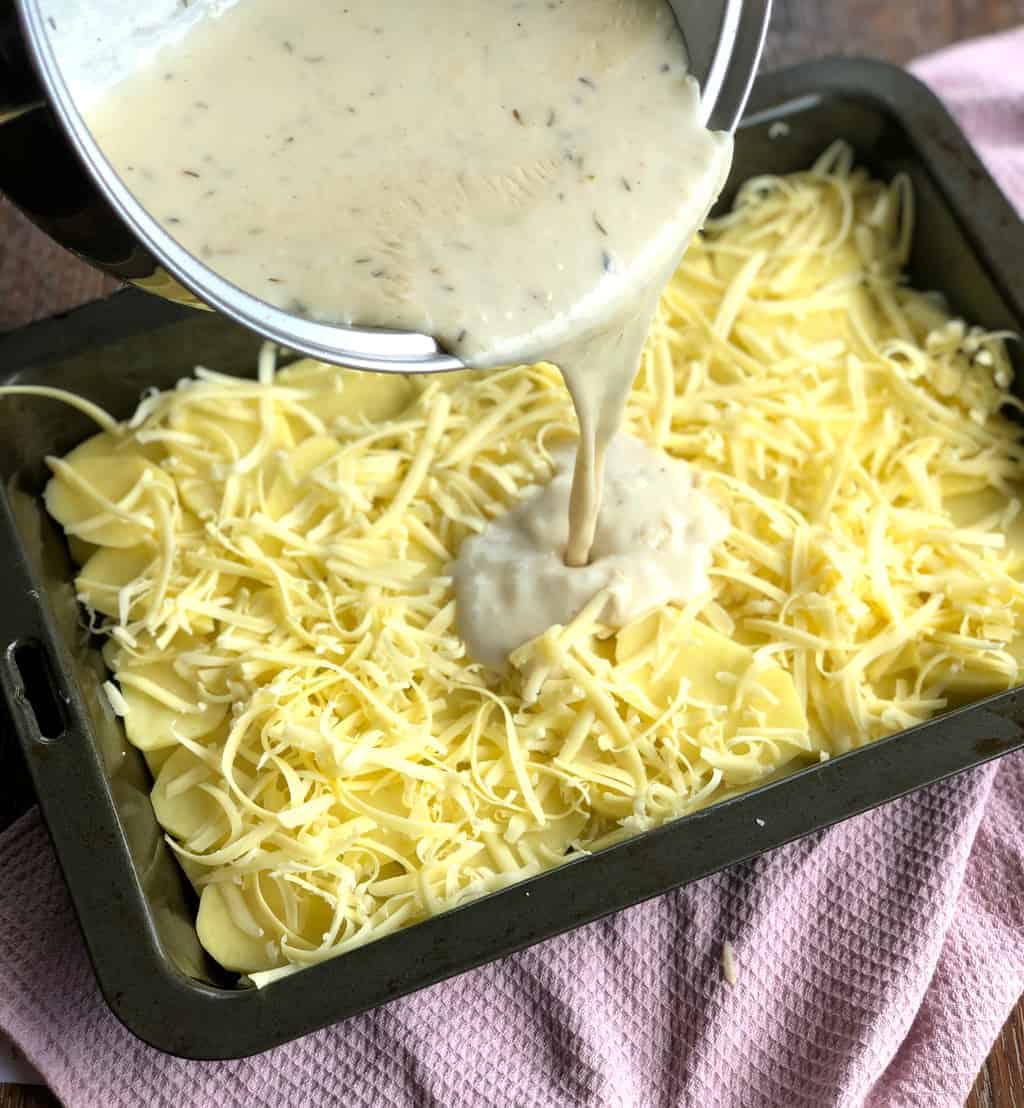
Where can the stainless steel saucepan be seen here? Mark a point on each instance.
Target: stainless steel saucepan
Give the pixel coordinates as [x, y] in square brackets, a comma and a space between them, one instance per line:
[51, 167]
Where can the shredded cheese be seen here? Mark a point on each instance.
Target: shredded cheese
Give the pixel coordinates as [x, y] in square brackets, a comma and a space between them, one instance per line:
[730, 970]
[270, 561]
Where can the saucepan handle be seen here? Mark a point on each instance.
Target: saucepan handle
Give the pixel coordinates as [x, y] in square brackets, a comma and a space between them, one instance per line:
[20, 90]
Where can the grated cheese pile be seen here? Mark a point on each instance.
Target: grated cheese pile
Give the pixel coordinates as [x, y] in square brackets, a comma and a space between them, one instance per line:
[269, 561]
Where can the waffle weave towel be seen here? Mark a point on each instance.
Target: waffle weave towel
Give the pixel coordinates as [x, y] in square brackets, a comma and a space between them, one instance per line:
[877, 961]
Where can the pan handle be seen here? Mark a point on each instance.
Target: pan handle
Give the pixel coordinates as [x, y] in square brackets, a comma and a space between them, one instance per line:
[16, 793]
[36, 698]
[34, 711]
[36, 705]
[20, 90]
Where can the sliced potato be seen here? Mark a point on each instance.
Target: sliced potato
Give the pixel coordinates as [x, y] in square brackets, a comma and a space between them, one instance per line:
[218, 439]
[105, 445]
[108, 571]
[222, 435]
[227, 431]
[81, 492]
[162, 705]
[225, 931]
[201, 494]
[700, 655]
[551, 842]
[971, 509]
[966, 684]
[184, 813]
[713, 665]
[349, 393]
[112, 652]
[286, 488]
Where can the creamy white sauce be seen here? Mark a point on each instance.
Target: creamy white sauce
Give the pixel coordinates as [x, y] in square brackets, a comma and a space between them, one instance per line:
[99, 43]
[517, 177]
[652, 546]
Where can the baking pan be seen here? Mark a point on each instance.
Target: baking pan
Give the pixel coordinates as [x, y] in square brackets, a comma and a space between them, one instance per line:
[135, 908]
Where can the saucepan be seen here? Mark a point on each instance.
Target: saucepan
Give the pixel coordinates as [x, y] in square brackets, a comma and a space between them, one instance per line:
[55, 54]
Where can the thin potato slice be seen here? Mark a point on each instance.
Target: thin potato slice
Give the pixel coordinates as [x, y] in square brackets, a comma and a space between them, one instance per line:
[181, 806]
[107, 572]
[718, 672]
[349, 394]
[85, 497]
[106, 445]
[287, 487]
[212, 443]
[235, 948]
[551, 843]
[162, 706]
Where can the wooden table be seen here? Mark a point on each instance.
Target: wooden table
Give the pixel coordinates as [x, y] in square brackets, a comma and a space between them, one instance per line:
[37, 278]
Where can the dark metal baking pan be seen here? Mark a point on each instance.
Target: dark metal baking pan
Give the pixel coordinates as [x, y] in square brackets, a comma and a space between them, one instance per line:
[135, 908]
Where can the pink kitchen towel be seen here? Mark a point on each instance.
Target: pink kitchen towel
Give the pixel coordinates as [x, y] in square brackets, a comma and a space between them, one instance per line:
[876, 961]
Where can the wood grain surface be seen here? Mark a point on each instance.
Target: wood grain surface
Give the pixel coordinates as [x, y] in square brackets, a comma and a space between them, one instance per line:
[38, 278]
[27, 1096]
